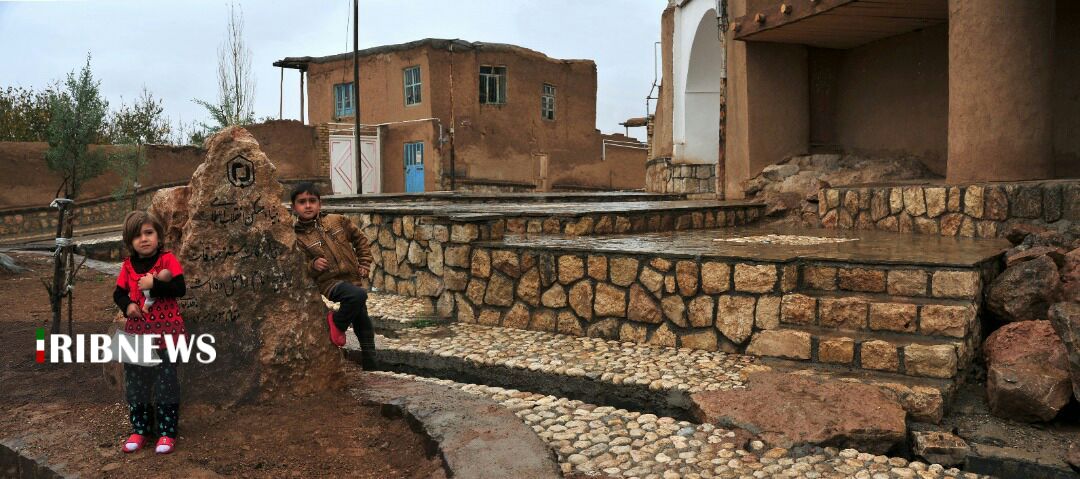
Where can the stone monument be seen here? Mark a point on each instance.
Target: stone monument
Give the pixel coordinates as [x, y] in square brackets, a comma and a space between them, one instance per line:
[246, 281]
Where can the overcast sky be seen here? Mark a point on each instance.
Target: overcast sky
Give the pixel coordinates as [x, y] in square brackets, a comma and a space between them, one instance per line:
[170, 46]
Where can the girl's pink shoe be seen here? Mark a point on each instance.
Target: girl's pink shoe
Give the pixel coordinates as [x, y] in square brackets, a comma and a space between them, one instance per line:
[134, 442]
[165, 445]
[337, 336]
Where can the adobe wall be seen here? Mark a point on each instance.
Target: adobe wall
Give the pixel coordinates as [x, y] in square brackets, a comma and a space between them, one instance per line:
[1065, 94]
[393, 138]
[26, 181]
[501, 142]
[892, 97]
[382, 92]
[662, 141]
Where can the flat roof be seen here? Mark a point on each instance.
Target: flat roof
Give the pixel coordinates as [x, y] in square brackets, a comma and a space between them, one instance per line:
[301, 63]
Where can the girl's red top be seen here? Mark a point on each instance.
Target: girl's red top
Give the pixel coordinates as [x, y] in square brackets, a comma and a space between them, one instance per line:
[164, 316]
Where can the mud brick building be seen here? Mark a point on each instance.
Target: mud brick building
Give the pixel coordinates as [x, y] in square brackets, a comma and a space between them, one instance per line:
[507, 118]
[978, 91]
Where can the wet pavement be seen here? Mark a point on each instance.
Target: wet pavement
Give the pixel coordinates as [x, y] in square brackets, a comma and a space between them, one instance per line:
[871, 246]
[517, 209]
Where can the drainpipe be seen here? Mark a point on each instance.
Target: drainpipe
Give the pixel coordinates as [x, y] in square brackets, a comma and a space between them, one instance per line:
[453, 122]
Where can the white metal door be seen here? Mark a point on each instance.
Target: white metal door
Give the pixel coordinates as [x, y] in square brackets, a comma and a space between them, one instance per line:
[343, 164]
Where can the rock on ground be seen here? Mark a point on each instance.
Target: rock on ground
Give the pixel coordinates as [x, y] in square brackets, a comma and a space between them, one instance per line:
[248, 284]
[939, 447]
[7, 263]
[1065, 318]
[788, 410]
[1027, 372]
[1070, 276]
[1025, 290]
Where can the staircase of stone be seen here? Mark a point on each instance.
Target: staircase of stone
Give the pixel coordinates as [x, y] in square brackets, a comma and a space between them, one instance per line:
[892, 325]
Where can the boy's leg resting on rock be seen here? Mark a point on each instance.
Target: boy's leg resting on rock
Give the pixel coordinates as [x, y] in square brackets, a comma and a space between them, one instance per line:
[353, 310]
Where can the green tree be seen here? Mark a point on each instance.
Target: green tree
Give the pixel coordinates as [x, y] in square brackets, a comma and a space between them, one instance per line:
[24, 114]
[235, 104]
[77, 119]
[133, 127]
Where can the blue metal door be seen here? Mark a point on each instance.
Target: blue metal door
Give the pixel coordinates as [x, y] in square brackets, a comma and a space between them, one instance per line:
[414, 167]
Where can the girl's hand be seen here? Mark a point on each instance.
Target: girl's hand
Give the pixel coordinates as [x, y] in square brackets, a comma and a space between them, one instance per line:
[165, 275]
[147, 281]
[133, 311]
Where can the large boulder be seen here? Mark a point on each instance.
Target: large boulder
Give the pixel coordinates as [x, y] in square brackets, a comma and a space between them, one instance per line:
[1027, 375]
[248, 285]
[1025, 290]
[1070, 276]
[788, 410]
[170, 205]
[1065, 318]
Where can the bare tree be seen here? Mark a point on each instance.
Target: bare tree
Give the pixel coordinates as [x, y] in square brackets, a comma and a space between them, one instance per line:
[236, 86]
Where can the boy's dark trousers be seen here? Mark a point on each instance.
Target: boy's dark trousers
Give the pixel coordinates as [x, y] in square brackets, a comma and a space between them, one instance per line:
[153, 397]
[353, 310]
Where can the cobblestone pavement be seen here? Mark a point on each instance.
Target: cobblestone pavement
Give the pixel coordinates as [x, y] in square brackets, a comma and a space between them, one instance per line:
[591, 439]
[657, 367]
[393, 307]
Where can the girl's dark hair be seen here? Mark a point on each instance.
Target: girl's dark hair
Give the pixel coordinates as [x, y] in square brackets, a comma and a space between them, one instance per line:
[133, 224]
[304, 187]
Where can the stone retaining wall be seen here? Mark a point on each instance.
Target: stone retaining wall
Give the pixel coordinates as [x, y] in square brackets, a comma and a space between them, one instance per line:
[662, 176]
[977, 210]
[415, 255]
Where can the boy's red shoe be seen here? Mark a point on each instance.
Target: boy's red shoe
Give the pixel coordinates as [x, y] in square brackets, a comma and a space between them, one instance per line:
[337, 336]
[165, 445]
[134, 442]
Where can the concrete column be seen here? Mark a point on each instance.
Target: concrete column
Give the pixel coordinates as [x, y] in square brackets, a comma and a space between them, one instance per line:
[1000, 98]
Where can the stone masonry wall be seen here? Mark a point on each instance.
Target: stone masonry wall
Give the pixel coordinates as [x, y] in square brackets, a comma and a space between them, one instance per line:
[418, 255]
[661, 176]
[977, 210]
[730, 305]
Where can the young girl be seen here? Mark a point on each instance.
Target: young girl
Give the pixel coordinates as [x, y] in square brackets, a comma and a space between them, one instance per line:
[149, 284]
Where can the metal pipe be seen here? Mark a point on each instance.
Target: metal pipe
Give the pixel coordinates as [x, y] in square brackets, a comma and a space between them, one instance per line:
[356, 96]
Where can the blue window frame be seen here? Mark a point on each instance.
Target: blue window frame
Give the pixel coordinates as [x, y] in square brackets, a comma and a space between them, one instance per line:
[343, 99]
[412, 86]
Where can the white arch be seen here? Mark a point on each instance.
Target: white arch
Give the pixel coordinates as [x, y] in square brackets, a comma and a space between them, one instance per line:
[698, 68]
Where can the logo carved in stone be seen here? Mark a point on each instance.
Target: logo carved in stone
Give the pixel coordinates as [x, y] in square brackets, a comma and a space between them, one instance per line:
[240, 171]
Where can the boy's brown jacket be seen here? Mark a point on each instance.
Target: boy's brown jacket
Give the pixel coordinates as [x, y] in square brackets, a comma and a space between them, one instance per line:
[344, 246]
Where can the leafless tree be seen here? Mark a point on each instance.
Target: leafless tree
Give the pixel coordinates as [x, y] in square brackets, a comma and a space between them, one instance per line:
[236, 86]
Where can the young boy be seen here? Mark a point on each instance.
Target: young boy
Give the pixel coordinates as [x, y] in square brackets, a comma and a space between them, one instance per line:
[339, 260]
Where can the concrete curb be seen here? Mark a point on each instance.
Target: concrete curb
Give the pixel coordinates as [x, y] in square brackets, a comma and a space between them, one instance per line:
[474, 436]
[15, 464]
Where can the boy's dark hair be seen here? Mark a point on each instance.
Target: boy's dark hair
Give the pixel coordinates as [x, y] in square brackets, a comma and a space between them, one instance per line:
[304, 187]
[133, 224]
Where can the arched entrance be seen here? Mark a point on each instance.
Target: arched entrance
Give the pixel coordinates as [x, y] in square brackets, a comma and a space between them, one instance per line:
[697, 132]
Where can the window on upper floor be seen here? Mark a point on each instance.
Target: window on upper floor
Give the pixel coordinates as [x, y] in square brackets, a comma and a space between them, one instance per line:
[492, 85]
[547, 102]
[343, 100]
[412, 85]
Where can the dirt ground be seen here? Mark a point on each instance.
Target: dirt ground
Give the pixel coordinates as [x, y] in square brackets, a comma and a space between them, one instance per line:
[69, 414]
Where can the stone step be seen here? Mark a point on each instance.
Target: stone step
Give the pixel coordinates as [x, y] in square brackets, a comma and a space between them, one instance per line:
[890, 352]
[903, 278]
[929, 317]
[925, 399]
[645, 377]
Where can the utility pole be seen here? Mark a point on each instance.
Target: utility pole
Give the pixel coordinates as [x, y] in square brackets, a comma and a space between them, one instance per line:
[356, 96]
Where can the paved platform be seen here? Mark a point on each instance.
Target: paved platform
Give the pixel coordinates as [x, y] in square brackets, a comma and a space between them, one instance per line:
[448, 197]
[591, 439]
[510, 207]
[877, 247]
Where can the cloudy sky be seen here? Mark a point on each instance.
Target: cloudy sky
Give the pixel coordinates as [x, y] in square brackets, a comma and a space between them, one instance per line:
[170, 46]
